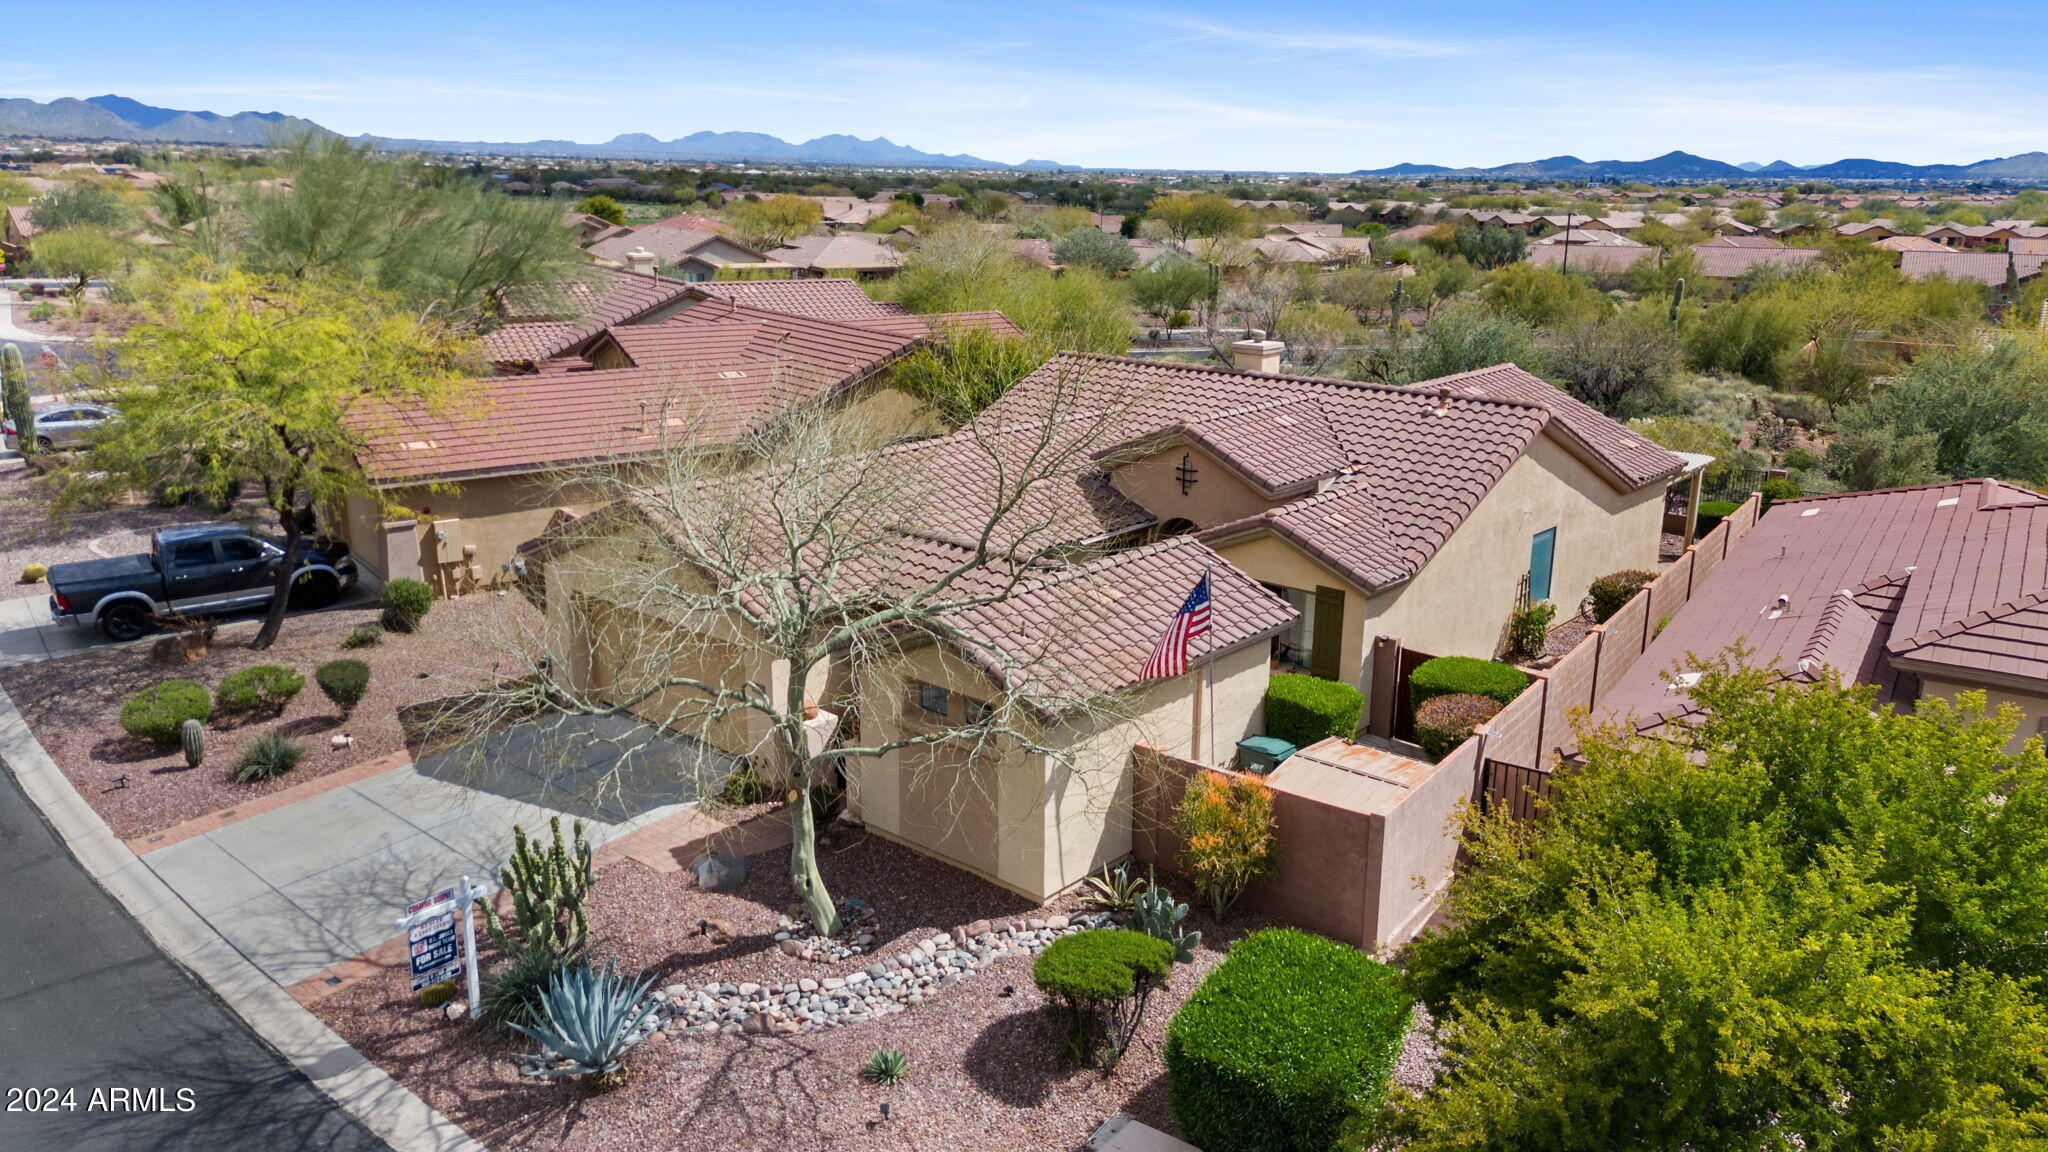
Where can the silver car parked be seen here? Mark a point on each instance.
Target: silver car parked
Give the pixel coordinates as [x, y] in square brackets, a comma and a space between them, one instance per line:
[60, 425]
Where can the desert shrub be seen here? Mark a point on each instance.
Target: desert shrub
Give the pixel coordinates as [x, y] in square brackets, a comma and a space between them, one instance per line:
[263, 687]
[886, 1067]
[406, 602]
[1115, 891]
[1444, 722]
[34, 573]
[1529, 629]
[1712, 512]
[1099, 981]
[744, 786]
[1302, 709]
[513, 986]
[158, 712]
[343, 682]
[1290, 1040]
[271, 756]
[42, 311]
[363, 635]
[1611, 593]
[1227, 824]
[1778, 488]
[1447, 675]
[589, 1019]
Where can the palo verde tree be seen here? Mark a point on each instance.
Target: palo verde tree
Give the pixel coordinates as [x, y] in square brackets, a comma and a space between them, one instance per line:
[281, 380]
[714, 593]
[1798, 921]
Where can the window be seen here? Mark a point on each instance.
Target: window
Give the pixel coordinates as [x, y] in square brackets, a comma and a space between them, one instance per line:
[934, 700]
[58, 416]
[191, 553]
[1314, 643]
[1293, 646]
[238, 549]
[1542, 551]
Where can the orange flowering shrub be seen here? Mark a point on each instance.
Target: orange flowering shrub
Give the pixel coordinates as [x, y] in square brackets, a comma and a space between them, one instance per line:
[1227, 822]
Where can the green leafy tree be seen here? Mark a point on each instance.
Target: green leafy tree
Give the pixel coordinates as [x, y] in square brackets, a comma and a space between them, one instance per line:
[80, 205]
[1491, 246]
[237, 377]
[603, 207]
[958, 267]
[1460, 338]
[967, 371]
[1209, 215]
[776, 221]
[1170, 285]
[1545, 297]
[80, 254]
[1094, 248]
[1790, 924]
[1617, 362]
[1975, 410]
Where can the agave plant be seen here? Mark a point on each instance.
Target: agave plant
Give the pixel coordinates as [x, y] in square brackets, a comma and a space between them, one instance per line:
[588, 1018]
[1157, 915]
[886, 1067]
[1115, 891]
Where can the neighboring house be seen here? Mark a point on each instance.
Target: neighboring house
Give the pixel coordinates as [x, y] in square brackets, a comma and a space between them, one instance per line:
[2027, 246]
[1908, 244]
[1729, 264]
[543, 325]
[1351, 529]
[839, 254]
[485, 477]
[679, 253]
[1607, 258]
[1867, 229]
[1742, 242]
[1922, 592]
[1988, 268]
[1577, 235]
[16, 227]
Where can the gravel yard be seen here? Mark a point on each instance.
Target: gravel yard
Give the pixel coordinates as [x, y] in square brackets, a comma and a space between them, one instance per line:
[73, 705]
[28, 534]
[985, 1067]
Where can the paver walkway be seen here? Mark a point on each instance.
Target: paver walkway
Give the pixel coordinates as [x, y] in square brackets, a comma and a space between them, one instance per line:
[302, 887]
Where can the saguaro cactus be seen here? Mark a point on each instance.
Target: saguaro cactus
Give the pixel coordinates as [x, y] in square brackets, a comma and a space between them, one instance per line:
[1677, 300]
[14, 403]
[548, 888]
[192, 737]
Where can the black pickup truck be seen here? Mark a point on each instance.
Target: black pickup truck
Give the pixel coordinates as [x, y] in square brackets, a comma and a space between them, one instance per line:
[191, 570]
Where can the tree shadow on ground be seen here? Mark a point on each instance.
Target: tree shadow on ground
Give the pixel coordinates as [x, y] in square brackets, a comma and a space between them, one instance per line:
[1019, 1059]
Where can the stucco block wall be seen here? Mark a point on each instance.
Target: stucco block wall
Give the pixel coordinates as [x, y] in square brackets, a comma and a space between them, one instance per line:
[496, 515]
[1273, 561]
[2034, 705]
[1217, 496]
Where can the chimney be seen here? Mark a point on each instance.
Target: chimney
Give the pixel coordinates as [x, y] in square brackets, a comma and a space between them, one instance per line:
[640, 260]
[1255, 353]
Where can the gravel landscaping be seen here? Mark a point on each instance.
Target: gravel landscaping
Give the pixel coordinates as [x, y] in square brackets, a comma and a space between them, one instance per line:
[28, 535]
[985, 1063]
[73, 706]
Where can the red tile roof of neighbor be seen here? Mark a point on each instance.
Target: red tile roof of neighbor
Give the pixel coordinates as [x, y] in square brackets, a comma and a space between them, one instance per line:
[1742, 242]
[1412, 463]
[693, 222]
[825, 297]
[2027, 246]
[668, 245]
[1947, 580]
[20, 217]
[1731, 263]
[711, 333]
[1909, 244]
[1606, 257]
[1983, 267]
[550, 323]
[855, 250]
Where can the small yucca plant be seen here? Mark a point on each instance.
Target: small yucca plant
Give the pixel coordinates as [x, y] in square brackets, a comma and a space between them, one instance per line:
[886, 1067]
[588, 1019]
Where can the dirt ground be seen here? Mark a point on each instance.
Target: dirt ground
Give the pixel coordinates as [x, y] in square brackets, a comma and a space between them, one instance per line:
[73, 705]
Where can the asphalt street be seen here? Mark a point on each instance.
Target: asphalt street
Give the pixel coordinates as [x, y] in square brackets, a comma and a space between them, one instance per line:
[107, 1046]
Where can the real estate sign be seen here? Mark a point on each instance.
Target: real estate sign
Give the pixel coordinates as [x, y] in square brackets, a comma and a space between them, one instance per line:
[436, 950]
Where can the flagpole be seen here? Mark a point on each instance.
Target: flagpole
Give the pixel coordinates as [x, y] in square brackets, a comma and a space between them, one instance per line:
[1209, 665]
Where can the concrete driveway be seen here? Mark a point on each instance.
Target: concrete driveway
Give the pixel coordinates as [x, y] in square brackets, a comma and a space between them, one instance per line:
[315, 882]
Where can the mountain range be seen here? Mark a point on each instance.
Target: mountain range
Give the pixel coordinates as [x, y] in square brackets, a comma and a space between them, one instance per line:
[1684, 166]
[120, 118]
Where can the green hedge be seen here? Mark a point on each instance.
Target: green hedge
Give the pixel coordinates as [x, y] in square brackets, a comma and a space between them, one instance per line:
[1711, 514]
[264, 687]
[1778, 488]
[158, 712]
[1101, 964]
[406, 603]
[1304, 709]
[1455, 675]
[1287, 1041]
[1612, 592]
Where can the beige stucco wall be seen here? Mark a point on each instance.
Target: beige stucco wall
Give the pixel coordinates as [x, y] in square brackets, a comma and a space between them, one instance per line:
[1458, 605]
[2035, 705]
[1218, 495]
[1033, 823]
[1271, 560]
[495, 515]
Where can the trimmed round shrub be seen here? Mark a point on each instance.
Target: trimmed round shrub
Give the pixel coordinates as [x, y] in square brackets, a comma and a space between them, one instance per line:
[1465, 675]
[1302, 709]
[1611, 593]
[406, 602]
[158, 713]
[343, 682]
[269, 757]
[1778, 488]
[261, 688]
[1289, 1040]
[363, 635]
[34, 573]
[1099, 981]
[1444, 722]
[1712, 512]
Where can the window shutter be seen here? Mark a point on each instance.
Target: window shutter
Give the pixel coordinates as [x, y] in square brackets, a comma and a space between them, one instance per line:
[1326, 647]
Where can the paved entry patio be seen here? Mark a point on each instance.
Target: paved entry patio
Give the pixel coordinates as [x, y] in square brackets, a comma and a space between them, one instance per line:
[318, 881]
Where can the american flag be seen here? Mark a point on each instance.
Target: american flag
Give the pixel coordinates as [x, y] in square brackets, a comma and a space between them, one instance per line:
[1170, 658]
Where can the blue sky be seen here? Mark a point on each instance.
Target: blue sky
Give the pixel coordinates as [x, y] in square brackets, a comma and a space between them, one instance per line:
[1314, 86]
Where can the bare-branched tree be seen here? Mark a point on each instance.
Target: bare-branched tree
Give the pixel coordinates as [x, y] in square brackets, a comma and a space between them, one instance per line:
[718, 592]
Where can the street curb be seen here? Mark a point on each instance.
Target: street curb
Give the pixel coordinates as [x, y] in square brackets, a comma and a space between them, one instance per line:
[360, 1088]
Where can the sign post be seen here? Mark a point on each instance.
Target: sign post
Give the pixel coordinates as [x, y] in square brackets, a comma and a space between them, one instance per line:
[433, 948]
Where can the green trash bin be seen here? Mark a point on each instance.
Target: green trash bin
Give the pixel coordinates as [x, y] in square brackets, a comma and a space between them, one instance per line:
[1262, 754]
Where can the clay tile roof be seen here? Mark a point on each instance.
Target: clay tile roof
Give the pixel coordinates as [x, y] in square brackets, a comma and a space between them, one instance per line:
[1731, 263]
[708, 334]
[943, 323]
[1637, 460]
[1983, 267]
[692, 222]
[547, 324]
[1908, 244]
[1949, 579]
[20, 216]
[854, 251]
[827, 298]
[1280, 446]
[668, 245]
[1606, 257]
